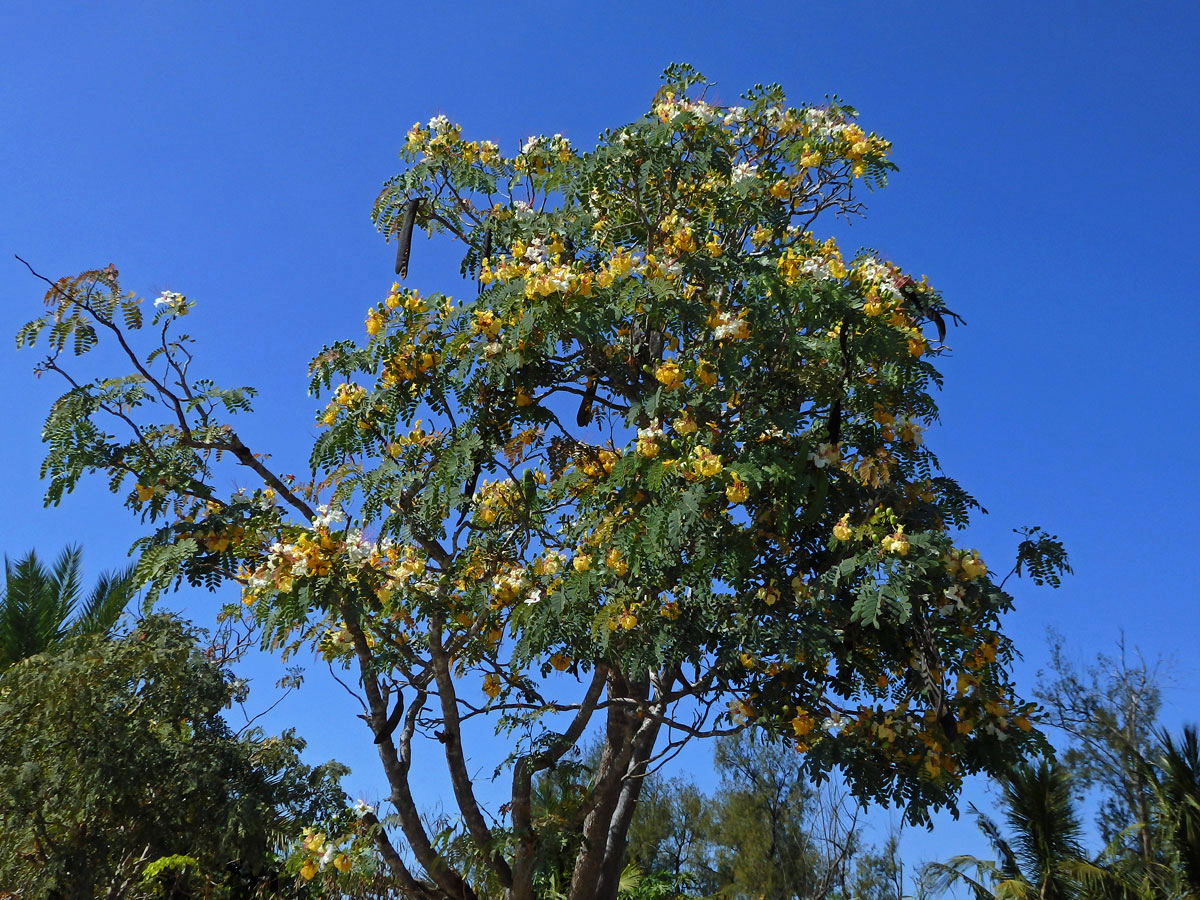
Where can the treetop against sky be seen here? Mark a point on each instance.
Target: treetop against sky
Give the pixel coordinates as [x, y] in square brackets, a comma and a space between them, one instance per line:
[239, 179]
[741, 525]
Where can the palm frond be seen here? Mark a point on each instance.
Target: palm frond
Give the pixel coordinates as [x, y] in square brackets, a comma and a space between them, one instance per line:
[105, 602]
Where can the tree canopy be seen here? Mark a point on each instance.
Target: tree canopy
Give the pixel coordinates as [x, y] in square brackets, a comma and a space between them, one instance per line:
[662, 478]
[115, 763]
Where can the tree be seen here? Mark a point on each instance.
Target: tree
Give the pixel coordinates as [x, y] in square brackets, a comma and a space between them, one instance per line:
[766, 833]
[115, 764]
[1109, 713]
[1173, 826]
[662, 479]
[1043, 857]
[40, 608]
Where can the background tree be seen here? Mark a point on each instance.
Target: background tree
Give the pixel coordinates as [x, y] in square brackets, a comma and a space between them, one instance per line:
[1042, 854]
[115, 761]
[1109, 713]
[662, 479]
[767, 832]
[42, 607]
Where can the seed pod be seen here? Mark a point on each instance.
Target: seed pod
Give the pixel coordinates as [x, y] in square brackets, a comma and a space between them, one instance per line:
[404, 240]
[583, 418]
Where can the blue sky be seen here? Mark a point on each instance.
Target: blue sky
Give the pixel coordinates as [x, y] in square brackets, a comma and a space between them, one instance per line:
[1047, 184]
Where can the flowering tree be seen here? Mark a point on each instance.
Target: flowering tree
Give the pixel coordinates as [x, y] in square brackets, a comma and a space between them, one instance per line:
[662, 479]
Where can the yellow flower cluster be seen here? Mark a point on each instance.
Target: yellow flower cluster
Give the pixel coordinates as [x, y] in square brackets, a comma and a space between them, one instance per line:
[346, 396]
[895, 543]
[705, 464]
[964, 565]
[408, 364]
[319, 852]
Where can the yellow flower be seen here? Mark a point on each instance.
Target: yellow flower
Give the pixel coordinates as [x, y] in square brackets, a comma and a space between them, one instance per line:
[308, 870]
[972, 566]
[143, 493]
[523, 398]
[896, 543]
[374, 322]
[647, 447]
[705, 375]
[738, 491]
[669, 610]
[916, 345]
[707, 464]
[491, 685]
[685, 425]
[668, 375]
[582, 562]
[616, 563]
[342, 862]
[560, 662]
[627, 620]
[841, 530]
[803, 723]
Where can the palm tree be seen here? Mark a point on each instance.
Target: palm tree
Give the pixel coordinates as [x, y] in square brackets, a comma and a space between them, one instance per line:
[1175, 782]
[41, 607]
[1042, 859]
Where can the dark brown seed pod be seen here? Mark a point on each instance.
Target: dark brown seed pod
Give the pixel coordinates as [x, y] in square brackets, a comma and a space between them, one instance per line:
[404, 240]
[583, 418]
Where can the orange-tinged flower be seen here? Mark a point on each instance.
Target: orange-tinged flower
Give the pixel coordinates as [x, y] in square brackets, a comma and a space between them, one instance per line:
[559, 661]
[342, 862]
[308, 870]
[491, 685]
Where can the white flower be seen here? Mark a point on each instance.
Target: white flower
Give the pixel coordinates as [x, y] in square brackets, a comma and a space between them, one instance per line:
[327, 518]
[730, 327]
[328, 855]
[175, 304]
[652, 433]
[537, 251]
[438, 124]
[560, 279]
[361, 808]
[534, 597]
[532, 144]
[743, 171]
[735, 115]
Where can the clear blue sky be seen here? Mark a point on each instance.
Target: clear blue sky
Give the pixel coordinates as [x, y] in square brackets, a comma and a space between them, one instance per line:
[1048, 186]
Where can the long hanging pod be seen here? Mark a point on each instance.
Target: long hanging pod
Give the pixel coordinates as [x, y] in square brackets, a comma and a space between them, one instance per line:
[404, 241]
